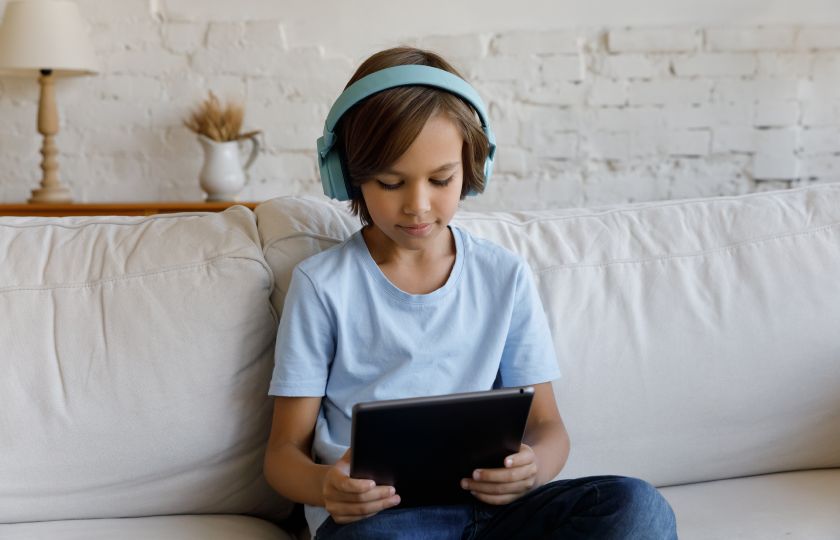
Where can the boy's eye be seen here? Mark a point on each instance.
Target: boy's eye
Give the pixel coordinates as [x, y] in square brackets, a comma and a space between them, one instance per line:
[385, 185]
[396, 185]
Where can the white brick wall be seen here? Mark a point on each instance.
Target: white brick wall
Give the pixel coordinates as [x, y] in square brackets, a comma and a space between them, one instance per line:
[668, 92]
[583, 117]
[528, 43]
[647, 40]
[818, 38]
[750, 39]
[715, 65]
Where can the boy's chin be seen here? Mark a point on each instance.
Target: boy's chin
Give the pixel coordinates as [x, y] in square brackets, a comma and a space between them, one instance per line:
[418, 238]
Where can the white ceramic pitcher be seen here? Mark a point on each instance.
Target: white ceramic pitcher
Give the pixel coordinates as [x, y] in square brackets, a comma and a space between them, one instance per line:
[223, 175]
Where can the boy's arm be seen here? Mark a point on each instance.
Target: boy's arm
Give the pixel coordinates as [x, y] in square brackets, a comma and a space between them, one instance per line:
[546, 434]
[288, 466]
[292, 473]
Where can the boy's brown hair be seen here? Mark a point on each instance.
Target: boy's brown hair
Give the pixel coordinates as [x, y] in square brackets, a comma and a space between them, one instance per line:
[376, 132]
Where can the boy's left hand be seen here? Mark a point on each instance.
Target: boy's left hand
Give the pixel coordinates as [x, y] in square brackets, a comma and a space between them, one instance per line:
[501, 486]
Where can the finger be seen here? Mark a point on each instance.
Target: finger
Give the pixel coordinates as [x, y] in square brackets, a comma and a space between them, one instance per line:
[361, 510]
[488, 488]
[375, 494]
[353, 485]
[511, 474]
[523, 457]
[496, 499]
[343, 464]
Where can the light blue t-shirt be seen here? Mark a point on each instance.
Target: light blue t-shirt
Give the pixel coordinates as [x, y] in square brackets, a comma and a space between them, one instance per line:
[349, 335]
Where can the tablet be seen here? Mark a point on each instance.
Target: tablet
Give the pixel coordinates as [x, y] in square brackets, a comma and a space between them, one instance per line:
[425, 446]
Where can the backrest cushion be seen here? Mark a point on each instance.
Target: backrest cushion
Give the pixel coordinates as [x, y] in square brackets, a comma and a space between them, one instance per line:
[135, 358]
[698, 339]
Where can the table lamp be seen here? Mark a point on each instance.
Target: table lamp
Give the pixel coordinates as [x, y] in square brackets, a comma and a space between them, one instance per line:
[48, 39]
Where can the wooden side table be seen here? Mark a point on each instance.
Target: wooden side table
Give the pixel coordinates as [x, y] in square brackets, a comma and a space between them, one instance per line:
[116, 208]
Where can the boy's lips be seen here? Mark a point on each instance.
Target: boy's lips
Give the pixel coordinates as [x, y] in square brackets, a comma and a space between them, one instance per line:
[416, 230]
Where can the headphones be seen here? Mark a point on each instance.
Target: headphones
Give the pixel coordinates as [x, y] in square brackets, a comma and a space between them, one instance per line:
[335, 184]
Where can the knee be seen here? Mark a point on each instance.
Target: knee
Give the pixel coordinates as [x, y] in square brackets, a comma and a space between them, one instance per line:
[643, 507]
[633, 491]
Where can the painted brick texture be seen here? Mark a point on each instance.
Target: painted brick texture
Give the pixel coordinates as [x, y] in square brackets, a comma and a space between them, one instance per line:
[583, 117]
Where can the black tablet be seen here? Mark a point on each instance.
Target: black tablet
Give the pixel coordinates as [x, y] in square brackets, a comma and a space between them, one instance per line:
[425, 446]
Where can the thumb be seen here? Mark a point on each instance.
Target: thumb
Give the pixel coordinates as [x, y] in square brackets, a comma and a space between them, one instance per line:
[343, 463]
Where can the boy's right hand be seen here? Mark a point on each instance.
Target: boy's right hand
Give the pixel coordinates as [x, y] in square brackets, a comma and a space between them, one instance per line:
[351, 499]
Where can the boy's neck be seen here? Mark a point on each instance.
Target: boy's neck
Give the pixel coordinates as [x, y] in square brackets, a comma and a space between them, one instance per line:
[414, 271]
[384, 251]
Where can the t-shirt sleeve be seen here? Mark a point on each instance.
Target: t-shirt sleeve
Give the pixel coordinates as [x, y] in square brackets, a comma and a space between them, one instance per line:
[528, 356]
[305, 342]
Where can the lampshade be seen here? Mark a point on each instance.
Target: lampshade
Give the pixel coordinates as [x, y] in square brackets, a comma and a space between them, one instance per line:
[45, 34]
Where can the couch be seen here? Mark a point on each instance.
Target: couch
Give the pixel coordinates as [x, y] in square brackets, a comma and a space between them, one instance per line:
[699, 342]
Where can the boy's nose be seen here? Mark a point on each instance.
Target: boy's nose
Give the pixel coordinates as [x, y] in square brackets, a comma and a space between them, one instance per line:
[417, 201]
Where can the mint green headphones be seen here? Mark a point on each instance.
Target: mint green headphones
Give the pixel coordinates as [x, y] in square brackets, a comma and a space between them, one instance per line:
[329, 160]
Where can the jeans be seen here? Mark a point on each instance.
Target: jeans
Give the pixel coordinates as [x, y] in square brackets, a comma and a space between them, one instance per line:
[602, 507]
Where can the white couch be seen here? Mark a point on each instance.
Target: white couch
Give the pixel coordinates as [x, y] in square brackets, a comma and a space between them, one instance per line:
[698, 339]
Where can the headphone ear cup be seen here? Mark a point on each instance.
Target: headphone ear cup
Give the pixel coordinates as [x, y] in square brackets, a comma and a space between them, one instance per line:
[488, 171]
[326, 183]
[334, 182]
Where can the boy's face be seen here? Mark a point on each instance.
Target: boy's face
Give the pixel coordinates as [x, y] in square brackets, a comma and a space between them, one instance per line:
[412, 202]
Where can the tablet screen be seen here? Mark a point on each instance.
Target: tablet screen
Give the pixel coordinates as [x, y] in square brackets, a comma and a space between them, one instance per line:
[425, 446]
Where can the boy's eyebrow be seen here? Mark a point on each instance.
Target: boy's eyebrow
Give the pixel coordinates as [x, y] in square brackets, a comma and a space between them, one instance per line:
[443, 167]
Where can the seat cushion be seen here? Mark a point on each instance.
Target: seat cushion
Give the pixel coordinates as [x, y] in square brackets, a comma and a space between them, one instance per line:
[294, 228]
[801, 505]
[220, 527]
[136, 356]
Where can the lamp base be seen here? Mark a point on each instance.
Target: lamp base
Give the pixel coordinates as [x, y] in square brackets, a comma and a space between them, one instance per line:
[52, 194]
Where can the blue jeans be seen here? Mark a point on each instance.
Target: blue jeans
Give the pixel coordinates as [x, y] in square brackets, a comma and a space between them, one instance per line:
[602, 507]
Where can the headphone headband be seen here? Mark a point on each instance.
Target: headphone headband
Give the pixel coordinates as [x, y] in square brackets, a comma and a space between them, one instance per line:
[392, 77]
